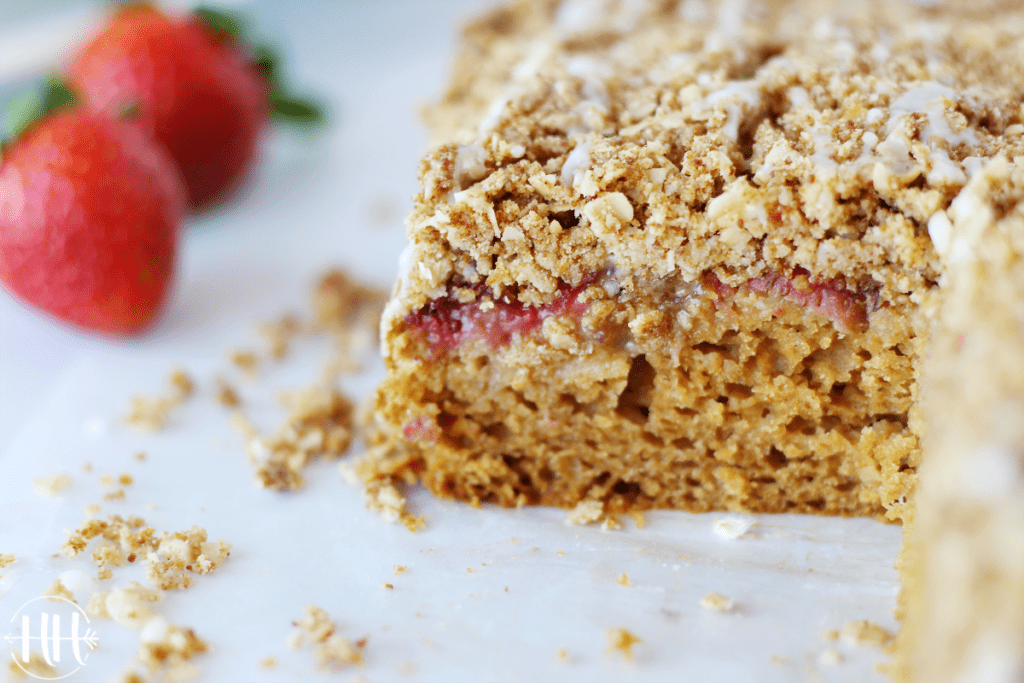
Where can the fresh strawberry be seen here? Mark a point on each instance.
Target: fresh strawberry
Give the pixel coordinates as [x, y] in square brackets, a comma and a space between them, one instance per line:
[90, 215]
[191, 82]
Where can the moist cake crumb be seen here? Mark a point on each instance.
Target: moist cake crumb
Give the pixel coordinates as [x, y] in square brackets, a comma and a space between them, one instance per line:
[716, 602]
[622, 640]
[623, 580]
[52, 485]
[863, 633]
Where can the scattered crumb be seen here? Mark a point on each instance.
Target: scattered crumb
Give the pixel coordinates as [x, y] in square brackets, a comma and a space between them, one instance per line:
[128, 606]
[87, 467]
[622, 640]
[560, 552]
[150, 413]
[125, 479]
[268, 662]
[92, 509]
[830, 634]
[165, 653]
[7, 559]
[53, 485]
[36, 667]
[611, 523]
[114, 496]
[226, 394]
[830, 657]
[384, 498]
[400, 569]
[638, 518]
[386, 585]
[319, 424]
[280, 333]
[107, 480]
[732, 528]
[58, 590]
[624, 580]
[585, 512]
[140, 456]
[716, 602]
[246, 361]
[104, 574]
[562, 655]
[171, 558]
[863, 632]
[151, 506]
[333, 651]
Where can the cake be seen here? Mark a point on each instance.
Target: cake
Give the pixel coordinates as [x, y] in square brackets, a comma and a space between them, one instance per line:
[690, 255]
[964, 552]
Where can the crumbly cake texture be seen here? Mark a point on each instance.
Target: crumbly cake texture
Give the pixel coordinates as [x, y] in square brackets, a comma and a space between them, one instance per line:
[685, 254]
[964, 558]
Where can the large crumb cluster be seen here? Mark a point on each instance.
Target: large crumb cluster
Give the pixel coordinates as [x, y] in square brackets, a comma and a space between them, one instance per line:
[333, 651]
[172, 558]
[150, 413]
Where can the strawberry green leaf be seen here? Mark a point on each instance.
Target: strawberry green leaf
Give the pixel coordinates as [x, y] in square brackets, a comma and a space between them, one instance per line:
[31, 106]
[56, 94]
[298, 110]
[229, 24]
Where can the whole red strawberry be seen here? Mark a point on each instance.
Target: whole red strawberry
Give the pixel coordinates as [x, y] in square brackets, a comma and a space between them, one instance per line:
[90, 214]
[188, 84]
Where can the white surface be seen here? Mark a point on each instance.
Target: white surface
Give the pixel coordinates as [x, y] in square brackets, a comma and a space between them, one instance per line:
[309, 208]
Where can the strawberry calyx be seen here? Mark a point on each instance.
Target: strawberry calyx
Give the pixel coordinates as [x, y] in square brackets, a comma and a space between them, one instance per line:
[286, 105]
[32, 106]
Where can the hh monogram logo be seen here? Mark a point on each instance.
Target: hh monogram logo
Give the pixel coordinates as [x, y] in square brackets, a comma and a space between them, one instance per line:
[51, 635]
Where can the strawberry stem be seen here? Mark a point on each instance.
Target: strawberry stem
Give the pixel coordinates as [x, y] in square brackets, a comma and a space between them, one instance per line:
[285, 105]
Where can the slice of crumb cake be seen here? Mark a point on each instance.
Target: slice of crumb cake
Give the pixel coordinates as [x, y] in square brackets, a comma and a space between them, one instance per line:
[681, 255]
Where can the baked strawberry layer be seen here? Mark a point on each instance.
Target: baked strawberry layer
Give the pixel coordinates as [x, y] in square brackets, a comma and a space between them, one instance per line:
[446, 323]
[845, 307]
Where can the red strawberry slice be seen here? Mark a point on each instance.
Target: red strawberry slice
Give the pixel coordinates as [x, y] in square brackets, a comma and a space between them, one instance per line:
[90, 214]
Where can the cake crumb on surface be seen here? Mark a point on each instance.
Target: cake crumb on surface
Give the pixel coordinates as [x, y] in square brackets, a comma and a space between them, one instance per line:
[52, 485]
[622, 640]
[172, 558]
[117, 495]
[830, 657]
[7, 559]
[732, 528]
[92, 509]
[165, 653]
[58, 590]
[150, 413]
[562, 655]
[246, 361]
[830, 634]
[387, 585]
[128, 606]
[226, 394]
[400, 569]
[585, 512]
[333, 651]
[36, 667]
[268, 662]
[716, 602]
[863, 632]
[623, 580]
[140, 456]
